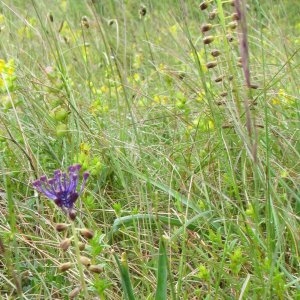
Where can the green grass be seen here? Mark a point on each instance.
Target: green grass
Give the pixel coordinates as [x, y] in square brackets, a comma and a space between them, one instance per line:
[183, 198]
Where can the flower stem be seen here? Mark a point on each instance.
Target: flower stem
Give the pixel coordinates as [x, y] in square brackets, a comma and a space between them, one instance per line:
[79, 264]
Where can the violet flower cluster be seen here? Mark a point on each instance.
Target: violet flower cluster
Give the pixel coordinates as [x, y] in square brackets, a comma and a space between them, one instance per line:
[62, 188]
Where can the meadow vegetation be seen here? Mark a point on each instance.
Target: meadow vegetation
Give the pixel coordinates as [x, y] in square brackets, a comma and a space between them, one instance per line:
[193, 190]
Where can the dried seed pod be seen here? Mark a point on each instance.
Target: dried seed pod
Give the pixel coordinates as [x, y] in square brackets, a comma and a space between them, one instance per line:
[111, 22]
[72, 214]
[219, 79]
[206, 27]
[233, 24]
[95, 269]
[208, 39]
[215, 52]
[211, 64]
[88, 234]
[85, 261]
[212, 14]
[224, 94]
[203, 5]
[143, 11]
[74, 292]
[235, 17]
[254, 86]
[85, 22]
[230, 38]
[61, 227]
[65, 244]
[65, 266]
[81, 246]
[50, 16]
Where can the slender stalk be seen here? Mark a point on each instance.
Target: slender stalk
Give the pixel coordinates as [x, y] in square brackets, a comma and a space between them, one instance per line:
[79, 264]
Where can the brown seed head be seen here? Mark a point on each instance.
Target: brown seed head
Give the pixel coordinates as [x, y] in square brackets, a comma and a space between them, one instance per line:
[206, 27]
[85, 22]
[230, 38]
[65, 244]
[61, 227]
[219, 79]
[81, 246]
[212, 14]
[88, 234]
[143, 11]
[215, 52]
[208, 39]
[50, 16]
[74, 292]
[211, 64]
[235, 17]
[95, 269]
[85, 261]
[233, 25]
[65, 266]
[224, 94]
[203, 5]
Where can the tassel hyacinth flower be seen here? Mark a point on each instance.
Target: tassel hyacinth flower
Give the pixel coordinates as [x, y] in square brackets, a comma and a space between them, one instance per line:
[62, 188]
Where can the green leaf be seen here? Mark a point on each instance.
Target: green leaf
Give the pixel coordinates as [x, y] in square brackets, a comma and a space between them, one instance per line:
[162, 272]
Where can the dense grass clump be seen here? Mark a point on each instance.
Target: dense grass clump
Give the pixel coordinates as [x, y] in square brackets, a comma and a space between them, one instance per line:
[184, 116]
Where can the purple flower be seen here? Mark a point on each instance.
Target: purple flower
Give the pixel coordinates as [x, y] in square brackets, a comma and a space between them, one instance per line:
[62, 188]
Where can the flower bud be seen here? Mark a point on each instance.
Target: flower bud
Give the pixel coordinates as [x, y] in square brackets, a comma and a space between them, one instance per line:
[65, 244]
[61, 227]
[85, 261]
[65, 266]
[95, 269]
[208, 39]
